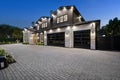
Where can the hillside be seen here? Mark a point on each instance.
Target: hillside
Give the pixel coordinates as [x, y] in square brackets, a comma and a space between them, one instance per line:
[10, 33]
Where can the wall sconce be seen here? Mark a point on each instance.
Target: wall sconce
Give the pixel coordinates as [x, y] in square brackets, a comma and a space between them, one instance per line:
[93, 27]
[51, 31]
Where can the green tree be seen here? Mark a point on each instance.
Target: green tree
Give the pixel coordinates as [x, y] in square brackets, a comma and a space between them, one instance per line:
[8, 33]
[112, 28]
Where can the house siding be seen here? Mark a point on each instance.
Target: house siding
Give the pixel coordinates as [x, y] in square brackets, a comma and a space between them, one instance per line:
[75, 22]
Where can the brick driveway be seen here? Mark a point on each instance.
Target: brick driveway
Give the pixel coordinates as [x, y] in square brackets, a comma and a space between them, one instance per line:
[58, 63]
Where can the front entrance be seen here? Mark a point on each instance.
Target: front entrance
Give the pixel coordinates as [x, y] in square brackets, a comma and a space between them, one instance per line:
[56, 39]
[82, 39]
[35, 38]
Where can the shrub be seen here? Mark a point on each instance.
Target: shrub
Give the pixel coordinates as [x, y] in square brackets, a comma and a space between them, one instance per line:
[25, 43]
[40, 43]
[2, 52]
[9, 58]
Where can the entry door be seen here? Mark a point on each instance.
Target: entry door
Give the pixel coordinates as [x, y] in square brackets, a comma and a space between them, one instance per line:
[56, 39]
[82, 39]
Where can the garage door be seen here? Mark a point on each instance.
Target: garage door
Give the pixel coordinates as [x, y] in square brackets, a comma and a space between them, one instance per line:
[56, 39]
[82, 39]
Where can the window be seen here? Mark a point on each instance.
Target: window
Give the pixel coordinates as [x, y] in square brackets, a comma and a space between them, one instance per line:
[38, 27]
[44, 25]
[61, 19]
[58, 20]
[65, 17]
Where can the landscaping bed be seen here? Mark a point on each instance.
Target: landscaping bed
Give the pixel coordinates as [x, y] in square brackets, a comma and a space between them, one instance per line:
[5, 59]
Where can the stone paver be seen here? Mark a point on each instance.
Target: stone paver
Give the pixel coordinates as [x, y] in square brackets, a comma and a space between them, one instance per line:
[58, 63]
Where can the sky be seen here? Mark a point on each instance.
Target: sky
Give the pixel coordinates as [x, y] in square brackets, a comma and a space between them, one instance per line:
[21, 13]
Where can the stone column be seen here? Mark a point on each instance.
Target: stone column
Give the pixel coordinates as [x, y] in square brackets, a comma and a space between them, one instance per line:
[93, 36]
[68, 37]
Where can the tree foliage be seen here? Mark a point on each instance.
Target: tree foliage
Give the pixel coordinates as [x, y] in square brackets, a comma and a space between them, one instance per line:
[8, 32]
[112, 28]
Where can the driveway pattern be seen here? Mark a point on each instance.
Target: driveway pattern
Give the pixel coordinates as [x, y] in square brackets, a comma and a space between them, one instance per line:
[59, 63]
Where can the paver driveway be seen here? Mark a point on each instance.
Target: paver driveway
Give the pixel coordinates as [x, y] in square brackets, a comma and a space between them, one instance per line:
[58, 63]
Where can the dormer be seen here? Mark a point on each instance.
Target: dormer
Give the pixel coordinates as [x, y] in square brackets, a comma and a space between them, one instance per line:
[43, 23]
[66, 15]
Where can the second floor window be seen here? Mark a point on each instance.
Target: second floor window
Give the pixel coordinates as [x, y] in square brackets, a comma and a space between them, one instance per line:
[65, 17]
[44, 25]
[62, 19]
[58, 20]
[37, 27]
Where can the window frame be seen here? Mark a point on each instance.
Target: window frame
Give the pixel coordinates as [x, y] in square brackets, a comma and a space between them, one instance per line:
[65, 17]
[44, 25]
[61, 19]
[58, 19]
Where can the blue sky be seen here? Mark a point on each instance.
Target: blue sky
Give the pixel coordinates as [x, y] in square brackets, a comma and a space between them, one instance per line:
[22, 12]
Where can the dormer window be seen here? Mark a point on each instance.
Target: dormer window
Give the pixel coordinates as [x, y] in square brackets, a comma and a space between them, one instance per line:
[38, 27]
[58, 20]
[65, 17]
[62, 19]
[44, 25]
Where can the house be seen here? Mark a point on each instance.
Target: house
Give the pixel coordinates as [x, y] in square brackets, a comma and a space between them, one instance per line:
[66, 27]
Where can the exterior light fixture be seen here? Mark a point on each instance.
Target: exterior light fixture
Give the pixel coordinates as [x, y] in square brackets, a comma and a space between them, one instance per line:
[93, 24]
[44, 18]
[58, 29]
[93, 27]
[31, 27]
[51, 31]
[39, 22]
[66, 35]
[74, 27]
[58, 10]
[49, 19]
[41, 33]
[53, 15]
[45, 37]
[64, 8]
[68, 28]
[44, 31]
[36, 24]
[79, 17]
[103, 35]
[25, 29]
[72, 7]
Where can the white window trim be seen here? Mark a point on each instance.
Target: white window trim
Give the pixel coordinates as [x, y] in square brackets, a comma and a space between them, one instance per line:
[58, 20]
[65, 17]
[44, 25]
[62, 18]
